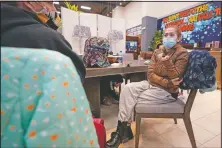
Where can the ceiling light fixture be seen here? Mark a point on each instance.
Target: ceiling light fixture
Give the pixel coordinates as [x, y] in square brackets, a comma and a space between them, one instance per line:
[120, 4]
[85, 7]
[56, 3]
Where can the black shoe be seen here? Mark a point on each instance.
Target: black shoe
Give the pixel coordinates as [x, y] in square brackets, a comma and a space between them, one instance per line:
[122, 135]
[115, 140]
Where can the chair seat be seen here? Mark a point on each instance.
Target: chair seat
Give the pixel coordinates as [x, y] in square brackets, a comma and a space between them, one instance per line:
[174, 107]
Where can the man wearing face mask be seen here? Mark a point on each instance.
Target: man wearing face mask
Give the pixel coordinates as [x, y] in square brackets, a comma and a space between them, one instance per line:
[34, 25]
[167, 66]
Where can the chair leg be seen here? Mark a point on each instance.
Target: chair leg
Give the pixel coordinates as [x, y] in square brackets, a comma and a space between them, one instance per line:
[175, 120]
[189, 128]
[138, 122]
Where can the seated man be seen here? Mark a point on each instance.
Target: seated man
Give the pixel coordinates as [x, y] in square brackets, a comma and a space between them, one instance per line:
[164, 72]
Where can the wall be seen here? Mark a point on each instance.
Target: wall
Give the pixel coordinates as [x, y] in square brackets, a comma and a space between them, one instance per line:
[135, 11]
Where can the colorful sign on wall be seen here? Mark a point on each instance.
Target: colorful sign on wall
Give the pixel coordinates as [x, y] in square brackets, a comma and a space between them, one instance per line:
[198, 24]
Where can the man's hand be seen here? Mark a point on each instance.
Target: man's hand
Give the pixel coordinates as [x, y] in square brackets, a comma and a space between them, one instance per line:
[176, 81]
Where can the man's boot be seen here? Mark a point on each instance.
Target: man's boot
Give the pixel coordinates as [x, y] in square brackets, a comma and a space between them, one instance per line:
[122, 135]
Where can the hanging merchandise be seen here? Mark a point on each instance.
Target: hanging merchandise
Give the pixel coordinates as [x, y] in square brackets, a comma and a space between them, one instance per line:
[96, 52]
[115, 35]
[81, 31]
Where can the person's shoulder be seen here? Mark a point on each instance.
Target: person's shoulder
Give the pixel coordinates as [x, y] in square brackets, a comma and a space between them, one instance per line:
[46, 32]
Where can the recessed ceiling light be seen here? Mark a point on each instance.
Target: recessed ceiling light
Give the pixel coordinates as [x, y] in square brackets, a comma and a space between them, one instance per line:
[120, 4]
[56, 3]
[85, 7]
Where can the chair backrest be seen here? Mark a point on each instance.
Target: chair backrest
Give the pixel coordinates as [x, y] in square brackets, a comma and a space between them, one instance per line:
[190, 101]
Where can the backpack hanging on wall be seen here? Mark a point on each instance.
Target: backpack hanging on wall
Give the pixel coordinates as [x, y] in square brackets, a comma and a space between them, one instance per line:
[95, 52]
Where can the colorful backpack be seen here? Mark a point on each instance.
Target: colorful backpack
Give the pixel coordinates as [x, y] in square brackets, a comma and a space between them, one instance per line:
[96, 52]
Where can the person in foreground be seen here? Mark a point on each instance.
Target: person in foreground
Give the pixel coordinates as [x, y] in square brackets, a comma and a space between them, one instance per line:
[167, 66]
[43, 102]
[34, 24]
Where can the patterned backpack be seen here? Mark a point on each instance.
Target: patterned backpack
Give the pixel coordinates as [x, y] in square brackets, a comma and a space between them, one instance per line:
[95, 52]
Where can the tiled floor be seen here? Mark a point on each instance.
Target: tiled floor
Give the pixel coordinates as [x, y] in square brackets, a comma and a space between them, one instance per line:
[163, 133]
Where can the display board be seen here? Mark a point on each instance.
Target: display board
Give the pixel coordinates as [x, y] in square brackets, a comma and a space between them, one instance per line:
[198, 24]
[120, 44]
[99, 26]
[103, 30]
[69, 20]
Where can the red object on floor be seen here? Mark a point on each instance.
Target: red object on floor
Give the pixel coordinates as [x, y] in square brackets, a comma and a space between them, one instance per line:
[100, 131]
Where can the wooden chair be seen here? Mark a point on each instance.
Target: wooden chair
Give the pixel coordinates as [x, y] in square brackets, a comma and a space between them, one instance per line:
[177, 109]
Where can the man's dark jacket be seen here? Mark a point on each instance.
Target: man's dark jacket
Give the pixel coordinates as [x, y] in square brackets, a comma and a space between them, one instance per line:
[20, 28]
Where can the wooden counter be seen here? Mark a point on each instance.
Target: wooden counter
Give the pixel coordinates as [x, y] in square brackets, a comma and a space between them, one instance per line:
[217, 55]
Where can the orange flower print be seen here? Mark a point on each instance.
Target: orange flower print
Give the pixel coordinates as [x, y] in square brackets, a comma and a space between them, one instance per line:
[73, 73]
[53, 78]
[52, 97]
[38, 92]
[54, 137]
[74, 109]
[34, 77]
[65, 84]
[12, 127]
[7, 122]
[68, 94]
[91, 142]
[87, 111]
[47, 104]
[32, 134]
[73, 99]
[69, 142]
[77, 137]
[26, 86]
[6, 76]
[43, 73]
[84, 140]
[59, 116]
[46, 58]
[30, 107]
[80, 120]
[2, 112]
[5, 59]
[17, 57]
[65, 65]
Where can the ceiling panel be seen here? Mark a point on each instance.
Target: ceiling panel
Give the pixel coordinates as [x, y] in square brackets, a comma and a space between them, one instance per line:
[97, 7]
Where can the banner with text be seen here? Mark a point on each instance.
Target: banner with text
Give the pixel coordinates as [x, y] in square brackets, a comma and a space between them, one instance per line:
[198, 24]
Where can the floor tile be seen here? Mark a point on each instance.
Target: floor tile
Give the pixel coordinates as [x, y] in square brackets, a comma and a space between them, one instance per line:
[161, 125]
[201, 135]
[214, 143]
[152, 141]
[110, 115]
[178, 138]
[211, 123]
